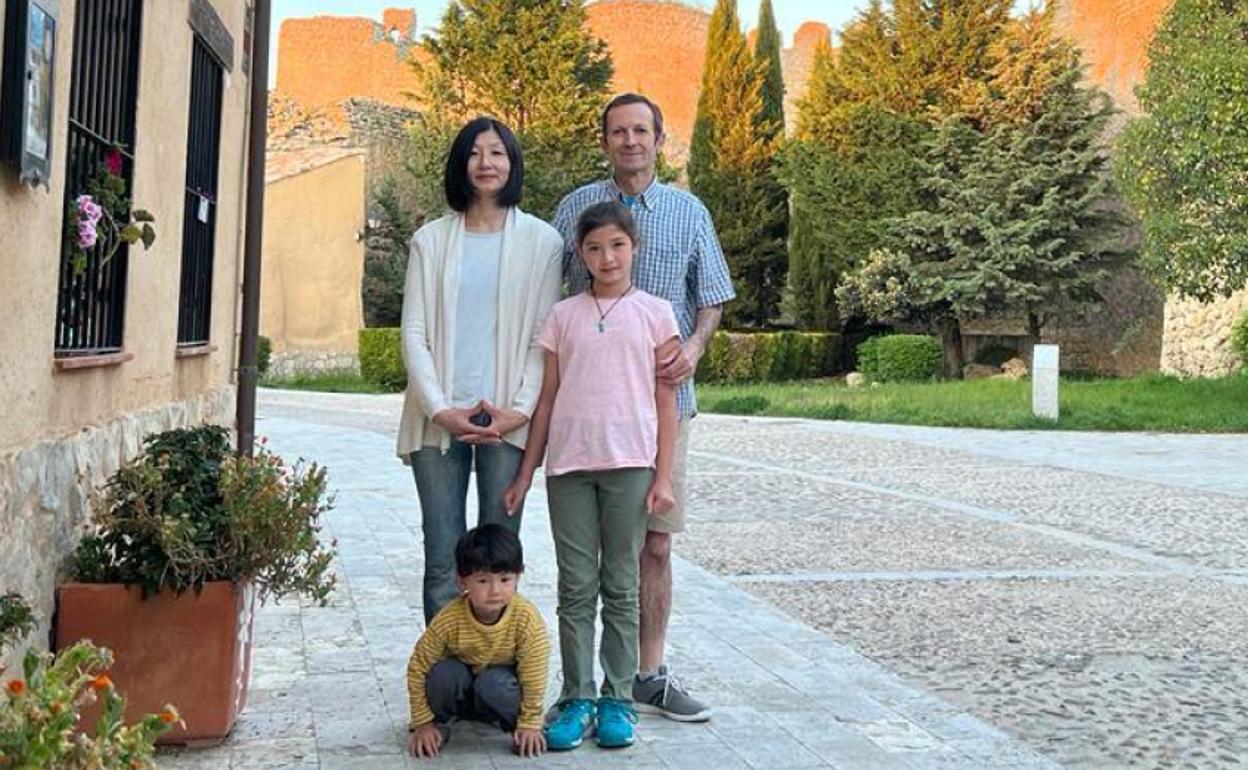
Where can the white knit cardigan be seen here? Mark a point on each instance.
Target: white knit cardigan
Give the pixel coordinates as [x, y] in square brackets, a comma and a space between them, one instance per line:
[529, 276]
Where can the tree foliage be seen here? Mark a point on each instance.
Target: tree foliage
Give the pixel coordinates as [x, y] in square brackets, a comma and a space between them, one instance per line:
[1183, 165]
[730, 169]
[531, 64]
[847, 186]
[1015, 214]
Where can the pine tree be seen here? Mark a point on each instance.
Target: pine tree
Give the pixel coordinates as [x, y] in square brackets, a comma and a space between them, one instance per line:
[730, 168]
[1183, 166]
[1016, 219]
[531, 64]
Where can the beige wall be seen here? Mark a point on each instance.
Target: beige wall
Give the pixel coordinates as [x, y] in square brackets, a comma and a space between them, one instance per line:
[40, 402]
[313, 263]
[63, 432]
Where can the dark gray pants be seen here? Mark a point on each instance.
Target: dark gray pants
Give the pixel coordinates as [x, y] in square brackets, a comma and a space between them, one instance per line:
[493, 696]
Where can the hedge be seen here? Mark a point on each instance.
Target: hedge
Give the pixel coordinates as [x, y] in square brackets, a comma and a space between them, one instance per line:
[900, 358]
[1239, 342]
[381, 358]
[731, 357]
[264, 355]
[769, 357]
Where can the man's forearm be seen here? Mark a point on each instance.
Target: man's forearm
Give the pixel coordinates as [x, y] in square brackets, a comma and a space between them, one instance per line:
[704, 325]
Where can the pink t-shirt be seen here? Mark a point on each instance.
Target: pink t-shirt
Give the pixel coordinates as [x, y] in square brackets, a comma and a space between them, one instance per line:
[604, 414]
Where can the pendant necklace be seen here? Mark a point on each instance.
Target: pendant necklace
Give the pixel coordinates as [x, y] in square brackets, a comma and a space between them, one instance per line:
[602, 317]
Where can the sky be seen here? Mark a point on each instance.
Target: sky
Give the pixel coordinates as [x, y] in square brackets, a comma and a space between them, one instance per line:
[789, 13]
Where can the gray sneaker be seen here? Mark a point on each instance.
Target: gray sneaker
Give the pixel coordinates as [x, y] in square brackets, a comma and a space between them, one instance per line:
[663, 694]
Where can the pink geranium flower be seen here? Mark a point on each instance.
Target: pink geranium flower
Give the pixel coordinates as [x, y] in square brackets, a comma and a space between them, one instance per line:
[87, 235]
[89, 210]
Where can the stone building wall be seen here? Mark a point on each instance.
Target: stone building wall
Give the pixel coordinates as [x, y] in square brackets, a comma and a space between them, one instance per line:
[68, 420]
[46, 490]
[1197, 338]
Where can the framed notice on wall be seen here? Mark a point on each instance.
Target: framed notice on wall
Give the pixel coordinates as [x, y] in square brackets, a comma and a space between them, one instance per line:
[27, 89]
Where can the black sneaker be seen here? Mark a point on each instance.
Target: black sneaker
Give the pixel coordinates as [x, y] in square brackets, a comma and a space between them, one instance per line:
[663, 694]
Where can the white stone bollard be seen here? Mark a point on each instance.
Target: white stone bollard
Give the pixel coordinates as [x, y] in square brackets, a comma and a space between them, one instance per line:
[1044, 365]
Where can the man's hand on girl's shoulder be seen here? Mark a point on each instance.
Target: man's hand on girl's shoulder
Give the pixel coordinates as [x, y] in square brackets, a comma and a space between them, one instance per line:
[528, 742]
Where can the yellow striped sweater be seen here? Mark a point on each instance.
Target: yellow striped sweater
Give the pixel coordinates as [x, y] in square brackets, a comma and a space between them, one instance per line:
[518, 638]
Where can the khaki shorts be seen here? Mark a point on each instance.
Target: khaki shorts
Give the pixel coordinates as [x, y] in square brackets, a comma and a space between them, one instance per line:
[674, 520]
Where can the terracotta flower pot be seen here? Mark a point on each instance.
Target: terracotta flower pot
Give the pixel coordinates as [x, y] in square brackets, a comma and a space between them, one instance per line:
[193, 650]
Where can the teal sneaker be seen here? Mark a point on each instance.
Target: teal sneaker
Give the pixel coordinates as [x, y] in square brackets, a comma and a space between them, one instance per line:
[575, 721]
[615, 723]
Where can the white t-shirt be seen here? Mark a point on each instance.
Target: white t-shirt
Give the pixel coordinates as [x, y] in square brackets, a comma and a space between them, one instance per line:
[476, 320]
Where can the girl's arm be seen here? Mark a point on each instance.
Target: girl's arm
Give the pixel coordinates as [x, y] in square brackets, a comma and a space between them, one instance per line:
[539, 430]
[661, 498]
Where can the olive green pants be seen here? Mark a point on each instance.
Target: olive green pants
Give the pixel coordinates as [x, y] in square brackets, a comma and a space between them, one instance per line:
[598, 519]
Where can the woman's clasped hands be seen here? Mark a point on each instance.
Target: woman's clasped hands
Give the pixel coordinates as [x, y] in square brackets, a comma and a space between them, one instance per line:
[482, 423]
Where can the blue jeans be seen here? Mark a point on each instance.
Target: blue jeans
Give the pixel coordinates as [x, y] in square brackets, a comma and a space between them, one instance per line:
[442, 485]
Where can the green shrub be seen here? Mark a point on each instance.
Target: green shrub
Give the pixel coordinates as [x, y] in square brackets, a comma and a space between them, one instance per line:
[381, 358]
[264, 354]
[866, 358]
[768, 356]
[1239, 342]
[900, 358]
[187, 511]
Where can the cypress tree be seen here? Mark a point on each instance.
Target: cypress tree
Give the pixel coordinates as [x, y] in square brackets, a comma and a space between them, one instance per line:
[730, 169]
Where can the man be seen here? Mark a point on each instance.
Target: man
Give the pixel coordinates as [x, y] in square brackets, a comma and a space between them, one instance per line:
[680, 260]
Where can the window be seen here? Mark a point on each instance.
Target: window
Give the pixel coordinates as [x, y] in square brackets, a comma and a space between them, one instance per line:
[104, 87]
[199, 218]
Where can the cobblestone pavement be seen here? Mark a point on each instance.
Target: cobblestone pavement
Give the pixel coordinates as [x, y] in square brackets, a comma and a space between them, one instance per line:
[954, 599]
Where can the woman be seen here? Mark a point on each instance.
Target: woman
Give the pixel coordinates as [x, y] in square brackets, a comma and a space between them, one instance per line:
[480, 282]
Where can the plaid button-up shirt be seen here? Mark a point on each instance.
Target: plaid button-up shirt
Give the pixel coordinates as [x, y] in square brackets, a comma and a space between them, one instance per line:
[679, 258]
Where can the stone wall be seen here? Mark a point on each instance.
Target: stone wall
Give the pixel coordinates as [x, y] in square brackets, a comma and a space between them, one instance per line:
[295, 362]
[46, 489]
[1197, 336]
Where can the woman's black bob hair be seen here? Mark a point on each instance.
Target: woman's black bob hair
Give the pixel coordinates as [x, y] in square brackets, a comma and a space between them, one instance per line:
[459, 190]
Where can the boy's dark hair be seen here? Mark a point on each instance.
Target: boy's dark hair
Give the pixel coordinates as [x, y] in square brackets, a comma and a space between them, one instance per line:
[458, 187]
[602, 215]
[631, 98]
[488, 548]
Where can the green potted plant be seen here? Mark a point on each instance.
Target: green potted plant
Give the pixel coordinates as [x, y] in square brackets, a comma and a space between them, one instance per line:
[40, 708]
[188, 536]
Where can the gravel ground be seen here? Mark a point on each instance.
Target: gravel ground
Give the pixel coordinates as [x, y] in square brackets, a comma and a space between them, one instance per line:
[1094, 613]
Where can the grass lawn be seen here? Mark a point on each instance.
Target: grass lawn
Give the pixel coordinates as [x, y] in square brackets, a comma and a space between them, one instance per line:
[345, 381]
[1150, 403]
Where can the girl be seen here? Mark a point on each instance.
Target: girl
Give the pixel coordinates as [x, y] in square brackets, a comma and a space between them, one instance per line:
[610, 429]
[480, 282]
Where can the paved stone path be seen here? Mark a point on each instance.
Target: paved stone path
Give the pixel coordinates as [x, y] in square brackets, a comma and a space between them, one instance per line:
[995, 585]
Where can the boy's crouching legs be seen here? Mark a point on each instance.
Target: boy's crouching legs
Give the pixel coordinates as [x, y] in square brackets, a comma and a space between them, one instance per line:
[449, 688]
[496, 696]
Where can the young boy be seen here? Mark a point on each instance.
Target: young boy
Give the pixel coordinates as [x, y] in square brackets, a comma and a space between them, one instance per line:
[484, 656]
